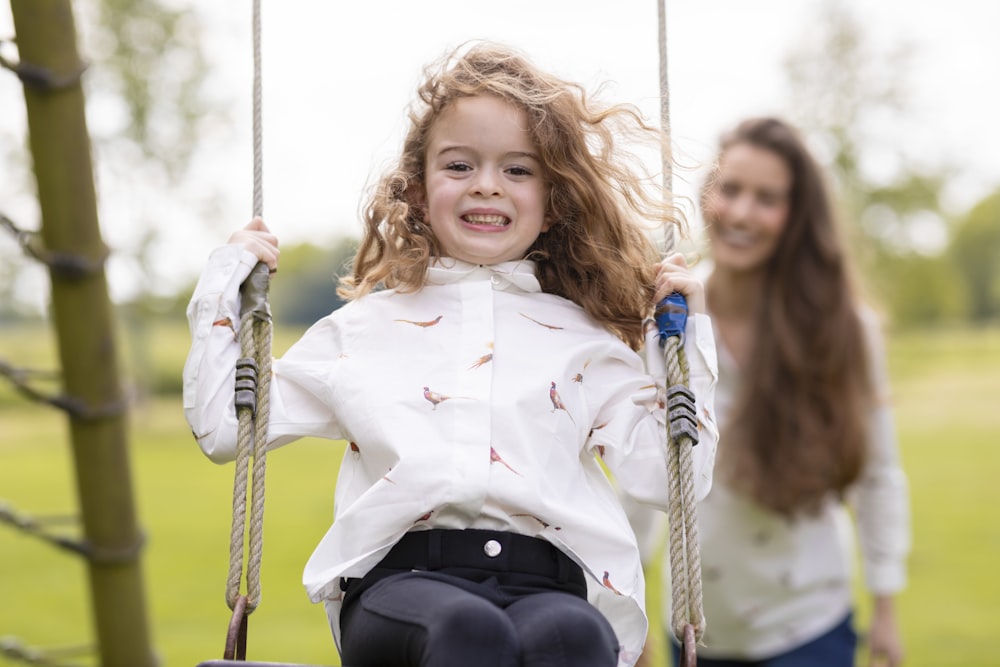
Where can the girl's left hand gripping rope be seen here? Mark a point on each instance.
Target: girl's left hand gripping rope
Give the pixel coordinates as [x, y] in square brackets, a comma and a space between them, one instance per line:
[671, 321]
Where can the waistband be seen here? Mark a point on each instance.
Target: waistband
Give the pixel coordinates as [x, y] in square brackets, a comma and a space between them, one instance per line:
[492, 550]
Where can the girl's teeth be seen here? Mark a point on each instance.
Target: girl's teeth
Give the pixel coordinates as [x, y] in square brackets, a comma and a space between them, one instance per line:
[496, 220]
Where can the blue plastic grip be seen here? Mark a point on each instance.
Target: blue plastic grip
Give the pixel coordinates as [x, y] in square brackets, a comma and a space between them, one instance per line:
[671, 316]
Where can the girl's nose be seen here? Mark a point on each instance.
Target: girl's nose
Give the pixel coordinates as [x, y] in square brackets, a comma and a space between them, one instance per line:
[486, 184]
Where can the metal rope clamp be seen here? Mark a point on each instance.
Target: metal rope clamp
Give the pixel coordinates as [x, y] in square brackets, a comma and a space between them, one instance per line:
[681, 414]
[246, 384]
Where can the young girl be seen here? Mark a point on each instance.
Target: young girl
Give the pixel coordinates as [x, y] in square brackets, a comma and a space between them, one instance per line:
[485, 362]
[806, 424]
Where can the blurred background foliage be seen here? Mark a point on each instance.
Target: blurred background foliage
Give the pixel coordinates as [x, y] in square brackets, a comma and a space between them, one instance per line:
[150, 103]
[928, 267]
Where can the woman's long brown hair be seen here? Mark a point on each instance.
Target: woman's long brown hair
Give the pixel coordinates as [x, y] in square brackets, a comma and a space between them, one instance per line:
[602, 205]
[799, 430]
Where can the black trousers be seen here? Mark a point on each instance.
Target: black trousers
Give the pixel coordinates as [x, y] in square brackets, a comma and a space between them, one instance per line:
[461, 598]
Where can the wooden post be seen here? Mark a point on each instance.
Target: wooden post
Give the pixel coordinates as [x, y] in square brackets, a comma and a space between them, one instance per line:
[83, 317]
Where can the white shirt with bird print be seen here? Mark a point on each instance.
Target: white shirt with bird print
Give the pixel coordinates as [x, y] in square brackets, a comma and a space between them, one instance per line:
[478, 401]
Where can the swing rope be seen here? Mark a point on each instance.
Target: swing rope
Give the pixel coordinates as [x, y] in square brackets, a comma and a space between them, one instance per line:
[687, 617]
[258, 152]
[252, 400]
[253, 374]
[666, 150]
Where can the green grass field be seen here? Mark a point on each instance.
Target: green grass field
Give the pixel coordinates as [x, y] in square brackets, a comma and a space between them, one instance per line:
[947, 398]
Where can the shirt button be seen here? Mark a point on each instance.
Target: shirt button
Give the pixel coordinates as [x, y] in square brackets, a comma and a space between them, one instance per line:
[496, 280]
[492, 548]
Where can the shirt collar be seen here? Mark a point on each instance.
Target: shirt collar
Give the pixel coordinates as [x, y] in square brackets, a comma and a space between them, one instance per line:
[518, 275]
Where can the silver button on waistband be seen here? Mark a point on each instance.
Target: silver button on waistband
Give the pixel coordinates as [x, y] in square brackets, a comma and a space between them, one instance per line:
[492, 548]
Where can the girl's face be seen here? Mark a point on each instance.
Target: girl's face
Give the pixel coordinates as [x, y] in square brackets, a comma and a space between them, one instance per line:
[746, 208]
[486, 193]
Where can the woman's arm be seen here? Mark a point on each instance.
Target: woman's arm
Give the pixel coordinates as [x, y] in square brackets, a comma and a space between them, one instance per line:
[881, 501]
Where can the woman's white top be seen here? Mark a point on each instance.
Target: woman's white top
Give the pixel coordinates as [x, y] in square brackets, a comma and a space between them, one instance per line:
[770, 583]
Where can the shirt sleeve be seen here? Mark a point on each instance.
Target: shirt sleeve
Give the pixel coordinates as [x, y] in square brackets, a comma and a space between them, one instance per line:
[209, 372]
[881, 497]
[297, 390]
[639, 465]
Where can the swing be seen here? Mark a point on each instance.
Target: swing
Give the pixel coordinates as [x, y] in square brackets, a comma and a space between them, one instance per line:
[253, 372]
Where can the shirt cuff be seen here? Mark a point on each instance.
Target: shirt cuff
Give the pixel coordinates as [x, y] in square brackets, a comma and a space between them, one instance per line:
[885, 578]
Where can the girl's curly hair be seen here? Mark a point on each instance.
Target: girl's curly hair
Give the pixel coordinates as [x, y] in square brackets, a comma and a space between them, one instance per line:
[602, 202]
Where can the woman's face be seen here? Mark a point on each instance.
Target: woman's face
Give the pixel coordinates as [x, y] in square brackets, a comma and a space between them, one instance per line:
[746, 208]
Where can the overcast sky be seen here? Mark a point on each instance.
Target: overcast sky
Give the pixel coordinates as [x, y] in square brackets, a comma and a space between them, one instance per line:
[338, 77]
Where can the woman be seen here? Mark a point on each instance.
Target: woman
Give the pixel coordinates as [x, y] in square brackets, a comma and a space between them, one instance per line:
[805, 426]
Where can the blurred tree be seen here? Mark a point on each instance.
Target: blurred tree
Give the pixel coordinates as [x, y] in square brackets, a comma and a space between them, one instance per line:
[305, 288]
[975, 250]
[845, 95]
[148, 111]
[151, 71]
[923, 290]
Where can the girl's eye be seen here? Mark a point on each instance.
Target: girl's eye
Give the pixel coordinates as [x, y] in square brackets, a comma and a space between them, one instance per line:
[519, 171]
[458, 166]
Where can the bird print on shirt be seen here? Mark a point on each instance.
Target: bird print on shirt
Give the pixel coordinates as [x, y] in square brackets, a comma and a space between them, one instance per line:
[495, 458]
[579, 376]
[661, 400]
[428, 323]
[545, 524]
[607, 584]
[557, 403]
[597, 428]
[485, 359]
[436, 399]
[551, 327]
[708, 418]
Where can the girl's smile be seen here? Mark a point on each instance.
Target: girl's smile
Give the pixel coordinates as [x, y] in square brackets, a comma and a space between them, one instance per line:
[487, 217]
